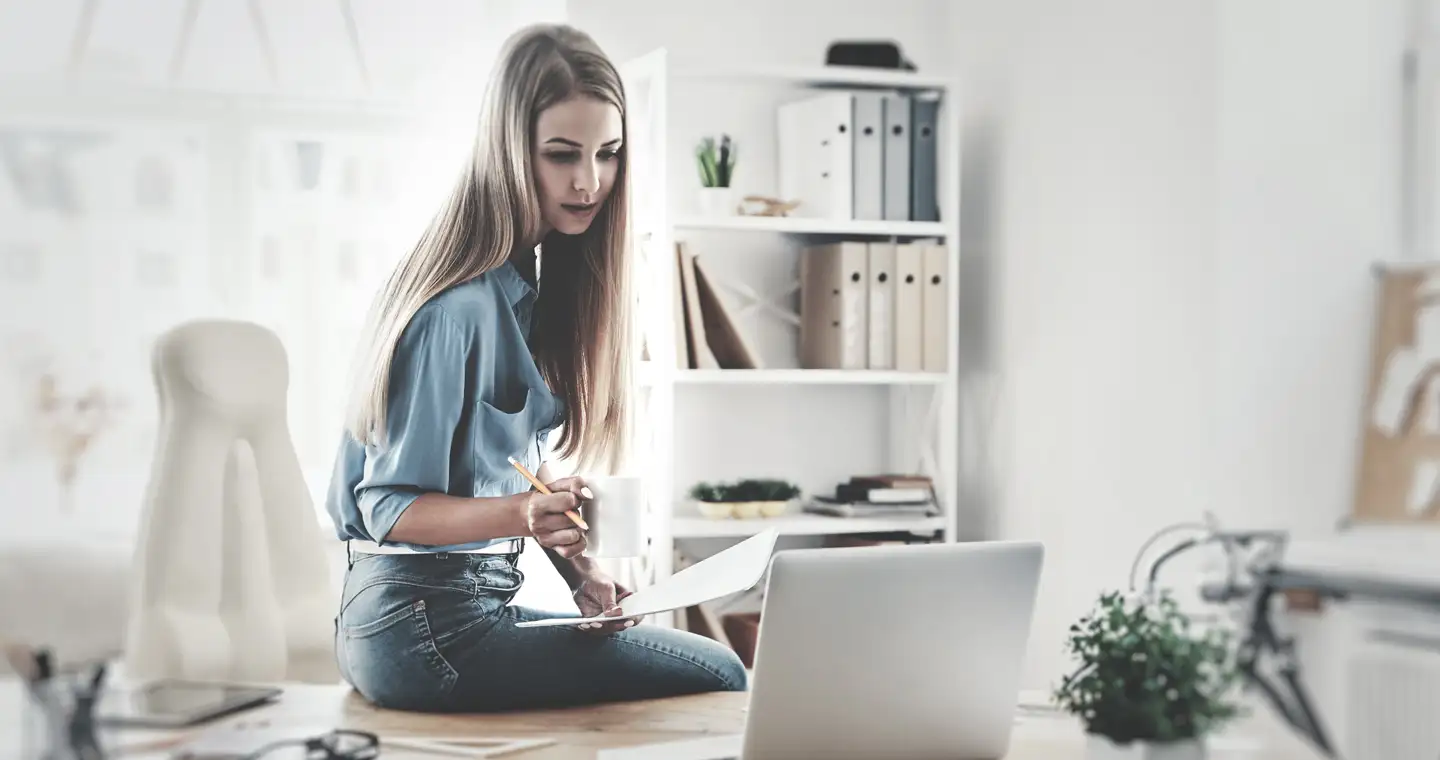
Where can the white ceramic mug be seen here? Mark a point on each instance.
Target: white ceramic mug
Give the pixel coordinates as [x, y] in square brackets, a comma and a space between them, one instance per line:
[614, 516]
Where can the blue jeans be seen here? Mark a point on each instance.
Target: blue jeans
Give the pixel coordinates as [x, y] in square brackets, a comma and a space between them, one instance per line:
[436, 633]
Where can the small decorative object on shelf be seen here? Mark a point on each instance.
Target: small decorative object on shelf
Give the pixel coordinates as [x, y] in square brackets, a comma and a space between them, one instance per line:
[744, 499]
[763, 205]
[716, 162]
[1148, 686]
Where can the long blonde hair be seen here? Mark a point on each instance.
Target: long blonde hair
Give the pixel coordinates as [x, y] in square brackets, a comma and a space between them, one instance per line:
[580, 336]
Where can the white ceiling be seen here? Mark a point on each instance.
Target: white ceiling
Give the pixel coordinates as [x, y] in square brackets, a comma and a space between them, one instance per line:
[351, 49]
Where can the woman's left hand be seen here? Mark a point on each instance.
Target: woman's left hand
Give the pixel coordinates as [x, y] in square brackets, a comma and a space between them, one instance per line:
[598, 595]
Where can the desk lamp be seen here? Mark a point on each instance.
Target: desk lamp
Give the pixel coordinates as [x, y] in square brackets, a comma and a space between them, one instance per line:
[1257, 572]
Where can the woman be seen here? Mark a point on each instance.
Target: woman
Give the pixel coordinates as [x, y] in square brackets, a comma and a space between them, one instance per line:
[471, 360]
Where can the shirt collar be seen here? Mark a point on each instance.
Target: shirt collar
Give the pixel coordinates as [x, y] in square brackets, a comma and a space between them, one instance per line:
[516, 288]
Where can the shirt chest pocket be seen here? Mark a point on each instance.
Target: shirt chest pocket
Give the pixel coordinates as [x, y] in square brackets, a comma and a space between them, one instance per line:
[504, 433]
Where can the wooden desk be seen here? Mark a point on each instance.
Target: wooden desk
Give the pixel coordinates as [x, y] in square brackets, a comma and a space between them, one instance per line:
[581, 733]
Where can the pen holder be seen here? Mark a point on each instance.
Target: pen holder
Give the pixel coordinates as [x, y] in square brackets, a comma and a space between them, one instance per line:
[58, 718]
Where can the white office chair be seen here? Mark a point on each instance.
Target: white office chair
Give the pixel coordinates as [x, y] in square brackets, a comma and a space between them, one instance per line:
[230, 579]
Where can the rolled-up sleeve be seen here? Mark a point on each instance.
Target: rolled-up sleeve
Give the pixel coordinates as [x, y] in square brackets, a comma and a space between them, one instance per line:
[426, 397]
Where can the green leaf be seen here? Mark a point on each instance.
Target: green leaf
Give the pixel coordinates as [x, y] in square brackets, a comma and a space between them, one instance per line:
[749, 489]
[1145, 672]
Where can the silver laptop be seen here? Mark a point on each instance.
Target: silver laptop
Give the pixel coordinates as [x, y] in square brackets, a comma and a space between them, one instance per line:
[894, 652]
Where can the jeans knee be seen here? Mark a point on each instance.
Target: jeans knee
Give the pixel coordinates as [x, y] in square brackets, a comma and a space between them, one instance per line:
[728, 667]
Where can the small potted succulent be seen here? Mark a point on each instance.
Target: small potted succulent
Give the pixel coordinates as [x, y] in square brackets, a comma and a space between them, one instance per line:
[1149, 686]
[716, 163]
[752, 497]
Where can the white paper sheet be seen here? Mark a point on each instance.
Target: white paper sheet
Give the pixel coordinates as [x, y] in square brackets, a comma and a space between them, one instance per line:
[1424, 481]
[1392, 400]
[1430, 422]
[728, 572]
[721, 747]
[1427, 331]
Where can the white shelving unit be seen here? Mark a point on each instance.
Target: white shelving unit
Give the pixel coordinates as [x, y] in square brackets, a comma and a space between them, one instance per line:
[926, 442]
[802, 226]
[800, 525]
[855, 77]
[803, 377]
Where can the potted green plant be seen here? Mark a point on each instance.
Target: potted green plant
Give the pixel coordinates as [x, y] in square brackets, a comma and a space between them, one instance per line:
[716, 163]
[1149, 684]
[751, 497]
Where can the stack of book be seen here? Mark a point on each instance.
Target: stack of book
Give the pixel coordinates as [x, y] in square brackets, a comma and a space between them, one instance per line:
[879, 496]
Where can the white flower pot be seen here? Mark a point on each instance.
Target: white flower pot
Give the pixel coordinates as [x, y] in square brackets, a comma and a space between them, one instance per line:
[717, 201]
[1101, 748]
[743, 510]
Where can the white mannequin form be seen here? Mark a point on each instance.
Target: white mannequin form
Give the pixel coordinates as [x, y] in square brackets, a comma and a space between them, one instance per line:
[231, 581]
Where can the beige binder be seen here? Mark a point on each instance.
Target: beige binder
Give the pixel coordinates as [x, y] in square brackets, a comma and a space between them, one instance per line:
[699, 345]
[881, 319]
[909, 335]
[833, 306]
[936, 307]
[727, 344]
[684, 357]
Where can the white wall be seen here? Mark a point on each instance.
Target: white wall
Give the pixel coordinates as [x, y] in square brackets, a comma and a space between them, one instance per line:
[1094, 130]
[84, 290]
[1170, 210]
[756, 32]
[223, 126]
[1309, 194]
[1168, 215]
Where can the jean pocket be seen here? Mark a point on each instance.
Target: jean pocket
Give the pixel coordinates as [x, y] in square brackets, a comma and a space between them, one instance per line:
[498, 578]
[394, 661]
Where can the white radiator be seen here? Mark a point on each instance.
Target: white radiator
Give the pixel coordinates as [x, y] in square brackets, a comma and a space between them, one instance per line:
[1392, 700]
[1376, 665]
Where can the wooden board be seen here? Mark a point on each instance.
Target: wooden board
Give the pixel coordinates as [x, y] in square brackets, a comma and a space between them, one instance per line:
[582, 733]
[1391, 459]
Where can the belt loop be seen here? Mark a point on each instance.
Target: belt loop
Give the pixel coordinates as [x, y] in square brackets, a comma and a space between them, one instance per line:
[349, 556]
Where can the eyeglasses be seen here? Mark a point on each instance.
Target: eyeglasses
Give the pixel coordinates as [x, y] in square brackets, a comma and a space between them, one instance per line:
[340, 744]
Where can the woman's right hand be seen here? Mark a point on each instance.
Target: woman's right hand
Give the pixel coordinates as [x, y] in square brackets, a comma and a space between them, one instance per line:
[546, 520]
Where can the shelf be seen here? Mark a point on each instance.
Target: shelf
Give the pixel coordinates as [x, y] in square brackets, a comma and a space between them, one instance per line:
[801, 525]
[853, 77]
[804, 377]
[804, 226]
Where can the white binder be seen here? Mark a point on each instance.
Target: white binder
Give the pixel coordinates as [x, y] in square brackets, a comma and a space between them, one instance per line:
[897, 157]
[868, 172]
[909, 338]
[881, 322]
[815, 153]
[935, 300]
[834, 306]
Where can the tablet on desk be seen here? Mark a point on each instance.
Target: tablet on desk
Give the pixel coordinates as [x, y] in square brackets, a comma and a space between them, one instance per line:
[176, 704]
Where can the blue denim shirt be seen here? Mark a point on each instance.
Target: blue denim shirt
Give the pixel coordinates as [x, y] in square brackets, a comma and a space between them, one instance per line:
[465, 395]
